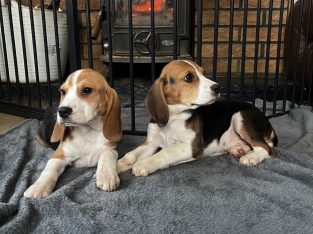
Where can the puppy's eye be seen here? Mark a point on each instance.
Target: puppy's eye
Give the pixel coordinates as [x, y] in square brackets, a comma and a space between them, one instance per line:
[188, 78]
[86, 91]
[62, 91]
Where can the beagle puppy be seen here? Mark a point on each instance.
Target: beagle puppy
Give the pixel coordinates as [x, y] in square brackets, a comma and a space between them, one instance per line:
[88, 127]
[188, 122]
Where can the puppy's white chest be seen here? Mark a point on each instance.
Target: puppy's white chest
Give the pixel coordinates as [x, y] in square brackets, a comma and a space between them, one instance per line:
[174, 133]
[84, 148]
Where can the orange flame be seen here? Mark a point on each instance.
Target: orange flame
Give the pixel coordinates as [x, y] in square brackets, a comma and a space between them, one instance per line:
[146, 6]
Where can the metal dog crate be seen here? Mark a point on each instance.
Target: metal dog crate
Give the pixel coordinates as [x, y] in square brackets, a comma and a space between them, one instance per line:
[260, 51]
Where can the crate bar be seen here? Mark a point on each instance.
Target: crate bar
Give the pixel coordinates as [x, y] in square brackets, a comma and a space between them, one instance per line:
[287, 55]
[1, 88]
[215, 49]
[311, 72]
[152, 42]
[230, 49]
[268, 46]
[131, 65]
[243, 54]
[89, 41]
[24, 52]
[20, 110]
[5, 56]
[110, 73]
[137, 133]
[278, 57]
[306, 52]
[43, 18]
[310, 87]
[294, 88]
[57, 43]
[277, 114]
[14, 53]
[256, 51]
[199, 32]
[73, 35]
[174, 29]
[31, 14]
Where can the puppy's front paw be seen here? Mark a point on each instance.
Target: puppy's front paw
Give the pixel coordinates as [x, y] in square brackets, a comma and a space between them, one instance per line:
[107, 181]
[250, 160]
[38, 190]
[125, 163]
[141, 169]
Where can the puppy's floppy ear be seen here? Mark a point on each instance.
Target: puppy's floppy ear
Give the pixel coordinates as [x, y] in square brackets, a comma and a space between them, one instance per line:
[59, 129]
[112, 123]
[155, 103]
[58, 132]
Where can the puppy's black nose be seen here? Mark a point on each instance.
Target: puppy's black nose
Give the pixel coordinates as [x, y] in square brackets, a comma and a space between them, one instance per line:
[216, 88]
[64, 111]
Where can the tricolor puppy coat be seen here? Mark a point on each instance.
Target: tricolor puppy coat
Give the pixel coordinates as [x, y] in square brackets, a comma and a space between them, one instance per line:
[88, 128]
[188, 123]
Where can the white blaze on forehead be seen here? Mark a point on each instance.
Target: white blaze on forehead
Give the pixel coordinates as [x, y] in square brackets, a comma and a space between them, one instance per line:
[203, 80]
[82, 111]
[196, 69]
[205, 93]
[71, 95]
[76, 75]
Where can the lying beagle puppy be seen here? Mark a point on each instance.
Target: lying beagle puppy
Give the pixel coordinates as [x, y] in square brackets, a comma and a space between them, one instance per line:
[188, 123]
[88, 127]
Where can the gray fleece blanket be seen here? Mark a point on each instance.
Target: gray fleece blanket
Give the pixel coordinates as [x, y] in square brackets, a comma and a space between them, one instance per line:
[212, 195]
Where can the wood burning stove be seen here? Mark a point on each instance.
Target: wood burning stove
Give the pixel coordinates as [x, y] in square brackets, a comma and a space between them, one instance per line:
[164, 30]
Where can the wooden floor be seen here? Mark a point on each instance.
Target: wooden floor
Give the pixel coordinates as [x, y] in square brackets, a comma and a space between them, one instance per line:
[8, 121]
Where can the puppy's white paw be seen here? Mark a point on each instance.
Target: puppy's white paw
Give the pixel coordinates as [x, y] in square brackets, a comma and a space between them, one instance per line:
[251, 159]
[38, 190]
[125, 163]
[107, 181]
[141, 169]
[248, 161]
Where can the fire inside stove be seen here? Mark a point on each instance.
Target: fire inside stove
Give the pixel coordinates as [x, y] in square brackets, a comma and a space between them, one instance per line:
[140, 23]
[145, 6]
[141, 9]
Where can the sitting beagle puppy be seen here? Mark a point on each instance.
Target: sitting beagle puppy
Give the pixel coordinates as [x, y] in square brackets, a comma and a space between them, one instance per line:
[188, 123]
[88, 128]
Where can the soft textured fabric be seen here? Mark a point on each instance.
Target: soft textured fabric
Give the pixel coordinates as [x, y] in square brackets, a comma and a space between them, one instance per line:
[212, 195]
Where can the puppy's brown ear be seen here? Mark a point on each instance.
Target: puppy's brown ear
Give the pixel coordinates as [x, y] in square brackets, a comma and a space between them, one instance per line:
[59, 129]
[156, 105]
[112, 123]
[58, 132]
